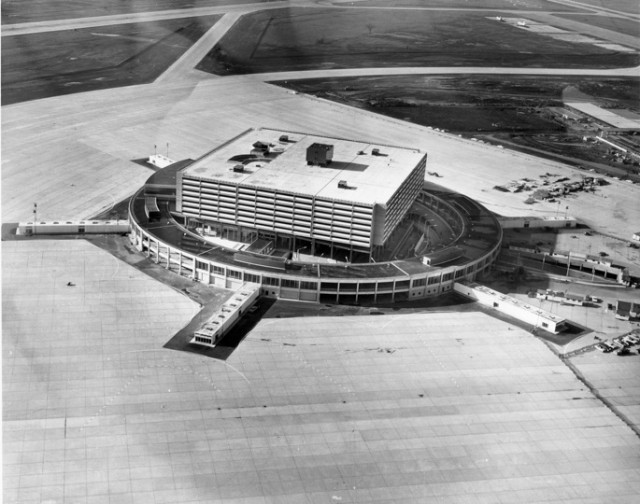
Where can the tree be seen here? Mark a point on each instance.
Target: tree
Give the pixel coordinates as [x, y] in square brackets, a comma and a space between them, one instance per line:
[370, 27]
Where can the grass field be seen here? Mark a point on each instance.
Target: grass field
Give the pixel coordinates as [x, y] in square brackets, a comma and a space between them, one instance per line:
[22, 11]
[616, 24]
[300, 39]
[40, 65]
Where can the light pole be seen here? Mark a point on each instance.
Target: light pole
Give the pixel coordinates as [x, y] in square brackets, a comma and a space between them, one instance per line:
[35, 217]
[535, 328]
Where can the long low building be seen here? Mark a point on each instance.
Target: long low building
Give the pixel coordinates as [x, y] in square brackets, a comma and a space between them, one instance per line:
[223, 320]
[513, 307]
[72, 227]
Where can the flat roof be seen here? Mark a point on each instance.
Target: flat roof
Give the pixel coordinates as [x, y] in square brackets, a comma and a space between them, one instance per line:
[371, 178]
[513, 301]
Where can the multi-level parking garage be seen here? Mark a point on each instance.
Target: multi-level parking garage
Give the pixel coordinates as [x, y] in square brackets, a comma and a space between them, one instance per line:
[326, 195]
[439, 238]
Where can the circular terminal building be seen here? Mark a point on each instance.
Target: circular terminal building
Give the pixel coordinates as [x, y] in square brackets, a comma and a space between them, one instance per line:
[313, 218]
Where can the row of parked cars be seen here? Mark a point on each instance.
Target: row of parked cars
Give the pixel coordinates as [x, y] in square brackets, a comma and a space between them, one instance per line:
[622, 345]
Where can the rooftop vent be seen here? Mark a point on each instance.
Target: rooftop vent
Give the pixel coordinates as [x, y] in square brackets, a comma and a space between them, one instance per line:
[375, 152]
[319, 154]
[239, 168]
[284, 138]
[261, 146]
[342, 184]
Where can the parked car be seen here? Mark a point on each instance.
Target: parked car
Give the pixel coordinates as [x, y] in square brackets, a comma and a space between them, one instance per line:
[624, 351]
[620, 342]
[604, 348]
[612, 345]
[633, 338]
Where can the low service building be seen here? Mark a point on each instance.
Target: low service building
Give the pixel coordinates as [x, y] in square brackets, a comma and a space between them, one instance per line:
[511, 306]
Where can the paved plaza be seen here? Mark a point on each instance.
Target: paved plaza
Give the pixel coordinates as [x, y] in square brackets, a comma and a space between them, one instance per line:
[374, 409]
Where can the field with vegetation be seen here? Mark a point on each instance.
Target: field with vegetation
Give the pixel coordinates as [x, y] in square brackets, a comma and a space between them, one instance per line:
[41, 65]
[521, 112]
[305, 38]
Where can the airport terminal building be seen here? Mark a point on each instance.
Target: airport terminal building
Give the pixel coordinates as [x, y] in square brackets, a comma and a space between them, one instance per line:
[302, 191]
[313, 218]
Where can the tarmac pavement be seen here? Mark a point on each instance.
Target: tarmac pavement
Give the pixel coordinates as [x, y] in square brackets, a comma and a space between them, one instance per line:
[399, 408]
